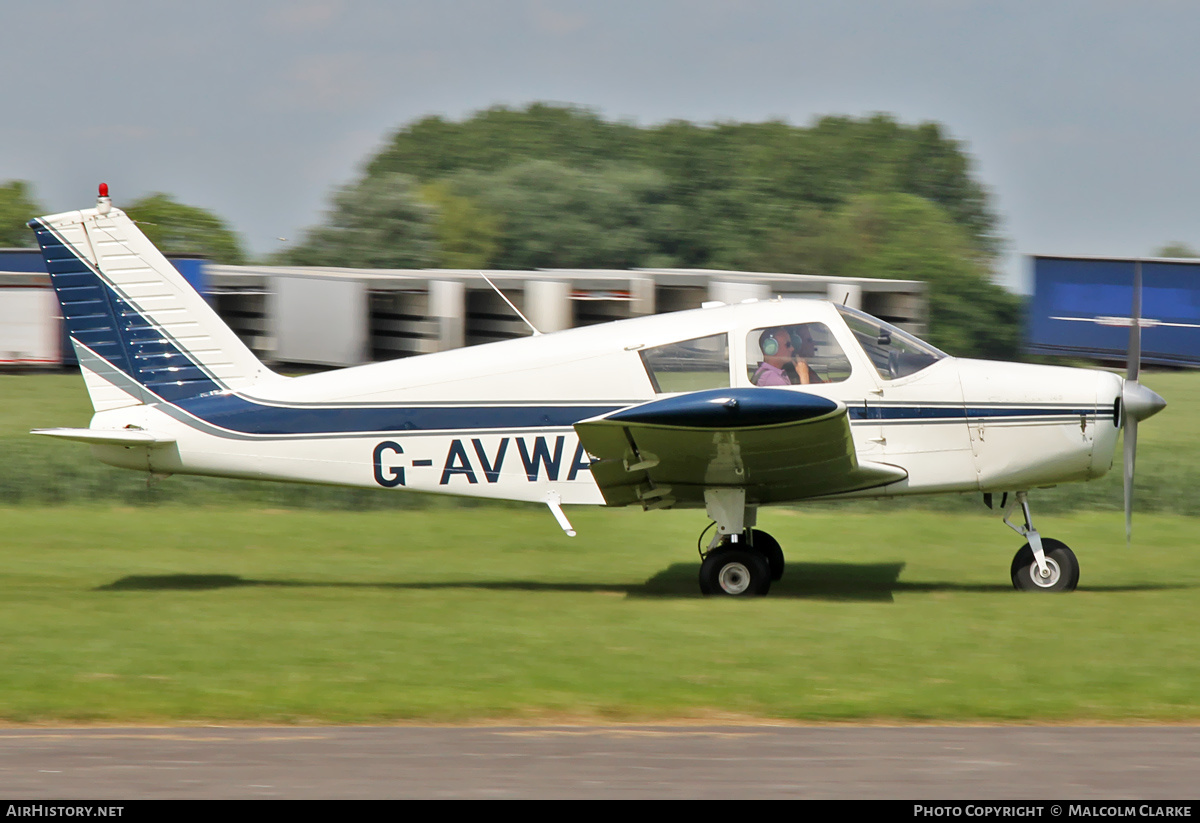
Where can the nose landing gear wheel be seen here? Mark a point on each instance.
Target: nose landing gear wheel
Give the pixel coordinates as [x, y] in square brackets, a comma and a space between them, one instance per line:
[735, 572]
[1061, 565]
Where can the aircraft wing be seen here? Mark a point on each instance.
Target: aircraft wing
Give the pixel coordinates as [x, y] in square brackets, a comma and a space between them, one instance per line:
[779, 445]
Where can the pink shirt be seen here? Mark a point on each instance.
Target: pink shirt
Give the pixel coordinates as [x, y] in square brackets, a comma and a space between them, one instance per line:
[768, 375]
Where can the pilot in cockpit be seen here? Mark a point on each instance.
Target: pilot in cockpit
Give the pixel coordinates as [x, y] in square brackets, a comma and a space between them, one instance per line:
[786, 352]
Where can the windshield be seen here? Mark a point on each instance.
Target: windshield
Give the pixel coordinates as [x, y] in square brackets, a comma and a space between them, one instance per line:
[893, 352]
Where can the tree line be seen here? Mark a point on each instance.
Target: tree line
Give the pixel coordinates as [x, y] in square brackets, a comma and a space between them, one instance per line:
[560, 187]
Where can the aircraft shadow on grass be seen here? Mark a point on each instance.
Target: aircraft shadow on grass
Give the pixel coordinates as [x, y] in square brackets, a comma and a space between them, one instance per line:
[877, 582]
[874, 582]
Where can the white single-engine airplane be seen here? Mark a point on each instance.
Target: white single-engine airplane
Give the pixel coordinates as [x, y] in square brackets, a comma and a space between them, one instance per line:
[726, 408]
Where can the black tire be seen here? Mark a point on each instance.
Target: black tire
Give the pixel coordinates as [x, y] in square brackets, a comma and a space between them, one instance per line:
[1064, 568]
[735, 572]
[764, 544]
[768, 547]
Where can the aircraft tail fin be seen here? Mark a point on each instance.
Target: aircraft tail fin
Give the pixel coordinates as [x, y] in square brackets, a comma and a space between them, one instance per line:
[142, 333]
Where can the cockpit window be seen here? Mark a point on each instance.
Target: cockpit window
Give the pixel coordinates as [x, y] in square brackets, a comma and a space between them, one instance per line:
[893, 352]
[797, 354]
[689, 365]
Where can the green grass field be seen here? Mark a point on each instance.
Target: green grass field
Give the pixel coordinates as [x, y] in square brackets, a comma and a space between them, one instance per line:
[246, 609]
[170, 615]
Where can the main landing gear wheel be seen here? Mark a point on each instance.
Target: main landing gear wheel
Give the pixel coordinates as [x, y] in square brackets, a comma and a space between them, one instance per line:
[736, 572]
[768, 547]
[1061, 564]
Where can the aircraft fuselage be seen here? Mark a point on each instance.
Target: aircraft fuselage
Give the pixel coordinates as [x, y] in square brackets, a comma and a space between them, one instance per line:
[497, 420]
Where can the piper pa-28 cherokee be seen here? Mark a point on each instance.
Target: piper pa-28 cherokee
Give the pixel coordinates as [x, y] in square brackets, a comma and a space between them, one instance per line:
[726, 408]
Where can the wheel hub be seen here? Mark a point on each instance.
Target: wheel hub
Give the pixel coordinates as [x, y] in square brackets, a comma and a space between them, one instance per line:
[734, 578]
[1046, 581]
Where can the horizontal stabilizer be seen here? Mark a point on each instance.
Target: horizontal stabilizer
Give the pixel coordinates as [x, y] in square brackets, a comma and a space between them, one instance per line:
[108, 437]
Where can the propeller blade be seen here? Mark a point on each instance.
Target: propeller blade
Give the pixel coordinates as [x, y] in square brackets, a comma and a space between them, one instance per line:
[1137, 403]
[1133, 358]
[1130, 434]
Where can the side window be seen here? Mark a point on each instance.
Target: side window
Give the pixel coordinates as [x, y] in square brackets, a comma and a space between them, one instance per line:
[799, 354]
[690, 365]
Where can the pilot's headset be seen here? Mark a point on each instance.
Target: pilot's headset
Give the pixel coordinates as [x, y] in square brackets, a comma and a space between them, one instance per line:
[768, 343]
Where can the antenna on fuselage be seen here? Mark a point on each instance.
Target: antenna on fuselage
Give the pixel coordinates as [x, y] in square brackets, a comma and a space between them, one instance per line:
[532, 327]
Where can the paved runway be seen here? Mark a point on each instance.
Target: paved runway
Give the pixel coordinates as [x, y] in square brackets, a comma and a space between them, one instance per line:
[1056, 763]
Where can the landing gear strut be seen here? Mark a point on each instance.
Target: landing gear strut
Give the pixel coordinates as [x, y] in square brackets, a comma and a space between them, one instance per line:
[1043, 564]
[740, 560]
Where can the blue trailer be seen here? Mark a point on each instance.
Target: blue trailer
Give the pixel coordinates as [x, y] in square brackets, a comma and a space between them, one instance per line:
[1081, 308]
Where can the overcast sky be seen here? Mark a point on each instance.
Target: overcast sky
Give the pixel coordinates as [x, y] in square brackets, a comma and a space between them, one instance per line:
[1082, 116]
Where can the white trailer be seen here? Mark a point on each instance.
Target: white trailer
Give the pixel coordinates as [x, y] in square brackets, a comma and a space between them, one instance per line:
[30, 326]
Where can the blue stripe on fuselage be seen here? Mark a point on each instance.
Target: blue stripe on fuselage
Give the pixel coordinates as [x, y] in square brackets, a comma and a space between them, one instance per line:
[951, 413]
[239, 414]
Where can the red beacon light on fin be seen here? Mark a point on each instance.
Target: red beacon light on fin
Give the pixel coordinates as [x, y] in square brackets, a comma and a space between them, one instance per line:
[103, 203]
